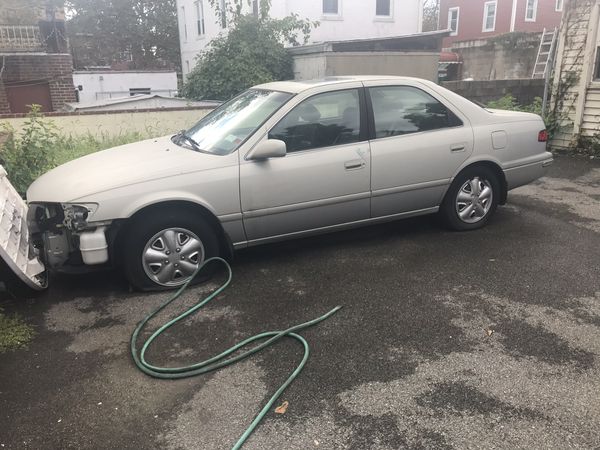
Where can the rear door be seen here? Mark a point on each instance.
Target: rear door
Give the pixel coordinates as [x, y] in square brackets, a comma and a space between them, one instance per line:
[324, 179]
[418, 142]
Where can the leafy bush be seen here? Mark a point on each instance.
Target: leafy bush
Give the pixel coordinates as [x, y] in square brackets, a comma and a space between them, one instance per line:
[251, 53]
[40, 147]
[28, 155]
[14, 333]
[510, 103]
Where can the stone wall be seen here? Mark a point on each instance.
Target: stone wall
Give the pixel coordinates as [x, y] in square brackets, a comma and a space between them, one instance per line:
[509, 56]
[524, 90]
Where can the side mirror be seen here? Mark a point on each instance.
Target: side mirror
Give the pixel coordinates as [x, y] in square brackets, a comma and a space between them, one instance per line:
[271, 148]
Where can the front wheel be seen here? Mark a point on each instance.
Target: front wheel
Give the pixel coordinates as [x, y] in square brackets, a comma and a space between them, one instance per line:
[471, 199]
[164, 250]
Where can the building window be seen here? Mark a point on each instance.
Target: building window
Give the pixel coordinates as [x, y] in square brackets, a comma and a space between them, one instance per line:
[331, 7]
[255, 8]
[453, 14]
[223, 9]
[187, 65]
[559, 5]
[383, 8]
[138, 91]
[185, 36]
[489, 16]
[531, 10]
[200, 18]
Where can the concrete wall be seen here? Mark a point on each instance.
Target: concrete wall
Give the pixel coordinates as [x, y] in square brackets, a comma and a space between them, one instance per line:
[100, 85]
[414, 64]
[509, 56]
[151, 123]
[357, 20]
[524, 90]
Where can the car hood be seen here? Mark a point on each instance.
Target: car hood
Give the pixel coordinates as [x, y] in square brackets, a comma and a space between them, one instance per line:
[118, 167]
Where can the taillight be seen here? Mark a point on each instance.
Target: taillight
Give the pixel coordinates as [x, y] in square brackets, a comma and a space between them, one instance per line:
[543, 136]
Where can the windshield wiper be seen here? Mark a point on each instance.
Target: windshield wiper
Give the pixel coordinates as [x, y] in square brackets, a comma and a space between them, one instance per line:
[182, 136]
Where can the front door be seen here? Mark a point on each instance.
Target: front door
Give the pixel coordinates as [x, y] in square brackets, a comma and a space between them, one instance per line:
[324, 179]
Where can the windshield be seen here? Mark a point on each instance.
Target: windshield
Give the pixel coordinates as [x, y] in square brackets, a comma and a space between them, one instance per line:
[227, 127]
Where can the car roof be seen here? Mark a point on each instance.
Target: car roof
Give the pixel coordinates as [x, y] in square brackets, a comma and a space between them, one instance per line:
[296, 87]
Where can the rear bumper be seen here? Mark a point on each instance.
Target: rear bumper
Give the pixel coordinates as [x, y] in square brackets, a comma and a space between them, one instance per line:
[525, 174]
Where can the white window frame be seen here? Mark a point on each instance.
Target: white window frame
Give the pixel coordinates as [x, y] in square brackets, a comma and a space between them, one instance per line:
[390, 15]
[486, 7]
[450, 11]
[332, 16]
[535, 8]
[559, 5]
[184, 22]
[200, 18]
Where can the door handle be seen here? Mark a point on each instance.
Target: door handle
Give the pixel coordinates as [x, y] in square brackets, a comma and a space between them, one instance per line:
[457, 148]
[356, 164]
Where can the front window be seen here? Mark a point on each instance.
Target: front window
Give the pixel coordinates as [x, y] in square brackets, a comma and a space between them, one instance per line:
[399, 110]
[331, 7]
[223, 11]
[324, 120]
[383, 8]
[489, 16]
[200, 18]
[453, 20]
[227, 127]
[531, 10]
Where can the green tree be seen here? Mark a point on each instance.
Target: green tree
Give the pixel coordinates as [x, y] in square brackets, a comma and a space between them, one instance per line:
[143, 32]
[252, 52]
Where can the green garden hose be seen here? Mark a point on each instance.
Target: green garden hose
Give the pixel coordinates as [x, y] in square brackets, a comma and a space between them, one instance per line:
[219, 361]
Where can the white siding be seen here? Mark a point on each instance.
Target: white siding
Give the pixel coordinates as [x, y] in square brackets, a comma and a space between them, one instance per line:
[579, 102]
[357, 20]
[101, 85]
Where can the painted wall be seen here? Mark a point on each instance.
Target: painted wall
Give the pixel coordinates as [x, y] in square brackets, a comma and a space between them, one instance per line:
[470, 24]
[357, 20]
[410, 64]
[149, 123]
[100, 85]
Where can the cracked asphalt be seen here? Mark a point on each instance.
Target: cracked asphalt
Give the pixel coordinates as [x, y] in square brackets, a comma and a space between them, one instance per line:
[487, 339]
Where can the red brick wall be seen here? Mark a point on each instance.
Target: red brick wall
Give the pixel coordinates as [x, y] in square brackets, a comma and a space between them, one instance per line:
[3, 100]
[56, 69]
[546, 17]
[470, 23]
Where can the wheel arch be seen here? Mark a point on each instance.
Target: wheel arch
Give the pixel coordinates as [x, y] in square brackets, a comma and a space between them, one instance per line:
[495, 168]
[122, 226]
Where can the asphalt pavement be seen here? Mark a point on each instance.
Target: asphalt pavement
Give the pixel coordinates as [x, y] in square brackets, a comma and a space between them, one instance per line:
[486, 339]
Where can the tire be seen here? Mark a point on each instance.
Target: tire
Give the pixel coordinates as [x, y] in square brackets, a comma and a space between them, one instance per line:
[462, 208]
[163, 248]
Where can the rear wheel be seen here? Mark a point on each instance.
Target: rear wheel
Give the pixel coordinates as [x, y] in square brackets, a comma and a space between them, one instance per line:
[471, 199]
[164, 249]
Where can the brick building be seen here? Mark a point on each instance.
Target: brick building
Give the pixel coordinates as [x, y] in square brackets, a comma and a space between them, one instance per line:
[481, 19]
[35, 63]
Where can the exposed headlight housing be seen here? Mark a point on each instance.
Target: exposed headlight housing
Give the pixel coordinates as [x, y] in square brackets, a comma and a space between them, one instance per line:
[76, 216]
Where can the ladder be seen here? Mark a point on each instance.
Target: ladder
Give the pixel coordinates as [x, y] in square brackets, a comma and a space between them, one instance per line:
[545, 54]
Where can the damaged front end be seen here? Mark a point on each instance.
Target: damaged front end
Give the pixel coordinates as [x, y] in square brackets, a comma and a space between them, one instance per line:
[69, 241]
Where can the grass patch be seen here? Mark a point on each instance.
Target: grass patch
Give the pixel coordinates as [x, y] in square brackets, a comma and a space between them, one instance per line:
[14, 333]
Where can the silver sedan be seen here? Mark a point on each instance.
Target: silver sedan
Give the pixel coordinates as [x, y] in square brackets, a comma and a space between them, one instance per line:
[279, 161]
